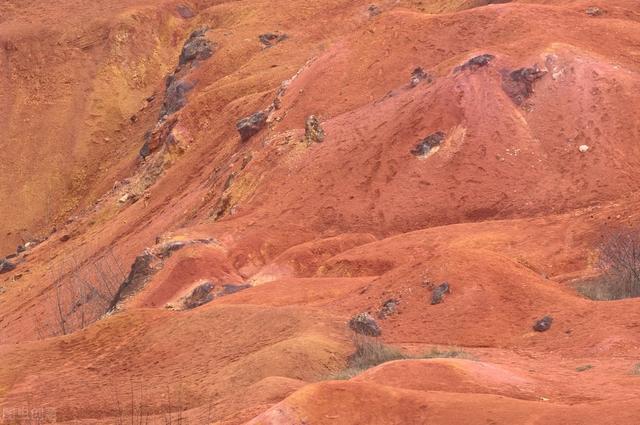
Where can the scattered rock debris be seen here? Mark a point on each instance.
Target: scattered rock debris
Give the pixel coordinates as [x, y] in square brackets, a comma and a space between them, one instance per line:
[313, 132]
[364, 324]
[251, 125]
[270, 39]
[418, 75]
[438, 293]
[428, 143]
[518, 84]
[6, 266]
[543, 324]
[389, 308]
[594, 11]
[196, 48]
[475, 62]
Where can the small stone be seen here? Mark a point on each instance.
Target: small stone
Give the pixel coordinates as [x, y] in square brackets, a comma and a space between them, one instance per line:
[251, 125]
[583, 148]
[543, 324]
[594, 11]
[65, 238]
[373, 10]
[6, 266]
[364, 324]
[437, 296]
[313, 131]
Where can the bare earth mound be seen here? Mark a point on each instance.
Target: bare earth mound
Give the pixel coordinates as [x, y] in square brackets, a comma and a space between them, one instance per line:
[204, 193]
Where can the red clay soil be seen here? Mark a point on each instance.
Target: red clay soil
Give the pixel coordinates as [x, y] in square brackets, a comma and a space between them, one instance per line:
[507, 209]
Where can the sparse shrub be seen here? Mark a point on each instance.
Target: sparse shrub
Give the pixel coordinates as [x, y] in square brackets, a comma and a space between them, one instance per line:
[636, 369]
[619, 263]
[370, 352]
[450, 353]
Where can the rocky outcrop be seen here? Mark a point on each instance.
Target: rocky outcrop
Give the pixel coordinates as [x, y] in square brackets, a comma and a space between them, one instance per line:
[196, 48]
[251, 125]
[206, 292]
[175, 95]
[147, 264]
[428, 143]
[475, 63]
[518, 84]
[364, 324]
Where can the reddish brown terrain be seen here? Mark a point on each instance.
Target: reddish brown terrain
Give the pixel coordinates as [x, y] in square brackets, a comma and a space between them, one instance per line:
[178, 272]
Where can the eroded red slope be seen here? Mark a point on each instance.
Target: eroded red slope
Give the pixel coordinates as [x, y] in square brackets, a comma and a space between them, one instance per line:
[507, 209]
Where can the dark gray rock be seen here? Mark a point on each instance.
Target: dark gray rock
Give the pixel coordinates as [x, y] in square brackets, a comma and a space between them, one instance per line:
[364, 324]
[6, 266]
[251, 125]
[175, 97]
[196, 48]
[543, 324]
[438, 293]
[475, 63]
[373, 10]
[428, 143]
